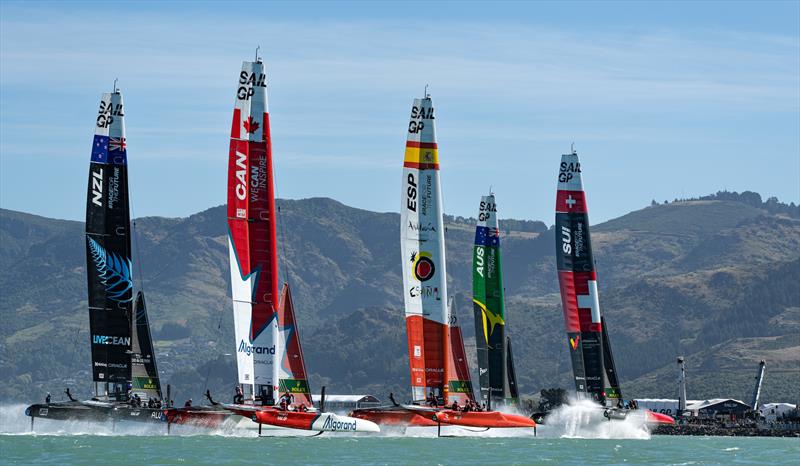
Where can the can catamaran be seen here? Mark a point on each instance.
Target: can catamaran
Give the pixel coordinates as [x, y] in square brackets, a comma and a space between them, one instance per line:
[497, 381]
[587, 336]
[436, 378]
[269, 359]
[123, 361]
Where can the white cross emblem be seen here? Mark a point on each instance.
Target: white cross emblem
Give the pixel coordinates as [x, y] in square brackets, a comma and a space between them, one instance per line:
[591, 301]
[570, 201]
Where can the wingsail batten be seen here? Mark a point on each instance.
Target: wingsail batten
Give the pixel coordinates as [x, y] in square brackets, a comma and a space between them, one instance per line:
[108, 247]
[252, 231]
[422, 249]
[592, 363]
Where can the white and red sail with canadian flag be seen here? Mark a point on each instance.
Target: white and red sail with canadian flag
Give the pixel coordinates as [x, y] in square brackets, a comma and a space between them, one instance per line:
[422, 246]
[252, 232]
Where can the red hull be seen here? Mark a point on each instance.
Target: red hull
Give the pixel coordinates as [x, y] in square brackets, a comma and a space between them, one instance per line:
[288, 419]
[201, 417]
[487, 419]
[396, 417]
[658, 418]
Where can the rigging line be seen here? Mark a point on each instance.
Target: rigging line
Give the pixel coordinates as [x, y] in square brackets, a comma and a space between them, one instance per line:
[279, 218]
[219, 332]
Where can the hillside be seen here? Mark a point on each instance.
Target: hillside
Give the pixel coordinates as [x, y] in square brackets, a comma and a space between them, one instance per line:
[713, 279]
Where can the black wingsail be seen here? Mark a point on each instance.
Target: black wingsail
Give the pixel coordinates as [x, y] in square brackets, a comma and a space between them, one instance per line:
[108, 249]
[483, 355]
[144, 370]
[512, 374]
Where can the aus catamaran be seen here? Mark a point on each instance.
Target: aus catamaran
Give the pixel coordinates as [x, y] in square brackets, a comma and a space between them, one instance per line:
[123, 361]
[273, 387]
[437, 377]
[498, 382]
[589, 347]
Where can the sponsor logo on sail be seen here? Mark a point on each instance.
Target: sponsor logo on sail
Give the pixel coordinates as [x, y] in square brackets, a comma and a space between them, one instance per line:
[573, 342]
[568, 170]
[248, 81]
[249, 349]
[111, 340]
[107, 112]
[422, 265]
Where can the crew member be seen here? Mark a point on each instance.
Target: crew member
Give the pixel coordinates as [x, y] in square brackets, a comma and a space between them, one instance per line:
[188, 403]
[47, 398]
[238, 398]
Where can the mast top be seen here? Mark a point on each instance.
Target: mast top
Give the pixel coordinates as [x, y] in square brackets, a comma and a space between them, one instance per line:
[572, 149]
[427, 96]
[258, 60]
[115, 86]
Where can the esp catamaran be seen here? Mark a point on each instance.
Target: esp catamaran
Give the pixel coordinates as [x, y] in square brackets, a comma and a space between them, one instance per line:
[439, 373]
[123, 361]
[593, 366]
[269, 358]
[498, 383]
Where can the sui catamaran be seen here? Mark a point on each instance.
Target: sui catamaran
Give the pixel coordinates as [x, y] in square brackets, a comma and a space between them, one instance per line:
[270, 364]
[498, 382]
[123, 361]
[439, 375]
[593, 366]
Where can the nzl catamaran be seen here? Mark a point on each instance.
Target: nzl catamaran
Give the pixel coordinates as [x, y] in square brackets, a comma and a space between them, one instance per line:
[123, 361]
[273, 388]
[439, 376]
[587, 335]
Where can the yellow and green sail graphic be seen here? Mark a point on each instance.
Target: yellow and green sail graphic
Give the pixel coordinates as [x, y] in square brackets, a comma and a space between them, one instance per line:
[489, 307]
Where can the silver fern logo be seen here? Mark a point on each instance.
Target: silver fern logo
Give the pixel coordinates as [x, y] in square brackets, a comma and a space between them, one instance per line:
[115, 272]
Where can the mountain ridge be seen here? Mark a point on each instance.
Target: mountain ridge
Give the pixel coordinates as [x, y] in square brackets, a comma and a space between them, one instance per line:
[671, 277]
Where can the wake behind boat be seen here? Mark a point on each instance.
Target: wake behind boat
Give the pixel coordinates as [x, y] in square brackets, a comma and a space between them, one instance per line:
[126, 383]
[593, 365]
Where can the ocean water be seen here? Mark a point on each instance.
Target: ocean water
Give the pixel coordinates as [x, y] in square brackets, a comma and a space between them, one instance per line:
[66, 443]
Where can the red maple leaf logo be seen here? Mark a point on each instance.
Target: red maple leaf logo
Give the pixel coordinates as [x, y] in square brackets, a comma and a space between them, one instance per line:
[250, 126]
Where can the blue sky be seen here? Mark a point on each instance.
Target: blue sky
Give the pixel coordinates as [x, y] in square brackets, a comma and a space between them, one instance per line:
[662, 100]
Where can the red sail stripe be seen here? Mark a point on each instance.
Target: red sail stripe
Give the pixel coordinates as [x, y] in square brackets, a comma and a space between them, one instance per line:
[236, 124]
[422, 145]
[421, 166]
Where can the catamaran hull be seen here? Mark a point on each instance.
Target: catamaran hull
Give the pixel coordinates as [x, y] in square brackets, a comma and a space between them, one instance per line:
[313, 421]
[396, 417]
[93, 413]
[487, 419]
[201, 416]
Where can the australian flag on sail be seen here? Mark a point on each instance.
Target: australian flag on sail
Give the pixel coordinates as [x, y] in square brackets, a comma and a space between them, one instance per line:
[485, 236]
[100, 149]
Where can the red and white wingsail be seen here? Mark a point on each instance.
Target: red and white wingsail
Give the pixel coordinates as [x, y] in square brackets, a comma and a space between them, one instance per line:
[251, 221]
[290, 364]
[422, 246]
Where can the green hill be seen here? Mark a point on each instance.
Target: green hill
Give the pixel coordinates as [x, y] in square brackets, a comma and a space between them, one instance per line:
[714, 280]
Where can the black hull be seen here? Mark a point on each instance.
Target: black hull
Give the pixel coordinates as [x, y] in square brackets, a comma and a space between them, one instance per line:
[77, 411]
